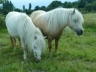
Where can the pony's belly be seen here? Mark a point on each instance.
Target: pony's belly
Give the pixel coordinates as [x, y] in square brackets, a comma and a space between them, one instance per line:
[14, 34]
[49, 34]
[53, 34]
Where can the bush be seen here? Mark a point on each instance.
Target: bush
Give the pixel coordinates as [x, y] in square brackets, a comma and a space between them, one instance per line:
[2, 21]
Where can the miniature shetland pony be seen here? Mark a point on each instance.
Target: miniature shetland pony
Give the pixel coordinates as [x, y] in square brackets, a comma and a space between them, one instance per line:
[53, 22]
[20, 26]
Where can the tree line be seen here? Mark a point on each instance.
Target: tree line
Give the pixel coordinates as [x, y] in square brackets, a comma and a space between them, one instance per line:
[84, 6]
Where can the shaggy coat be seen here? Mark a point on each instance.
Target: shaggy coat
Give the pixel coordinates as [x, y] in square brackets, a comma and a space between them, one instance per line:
[20, 26]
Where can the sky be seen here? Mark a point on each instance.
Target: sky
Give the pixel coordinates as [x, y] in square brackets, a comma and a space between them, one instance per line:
[20, 3]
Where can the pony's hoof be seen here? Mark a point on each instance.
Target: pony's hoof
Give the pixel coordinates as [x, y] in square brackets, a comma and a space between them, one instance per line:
[25, 58]
[36, 60]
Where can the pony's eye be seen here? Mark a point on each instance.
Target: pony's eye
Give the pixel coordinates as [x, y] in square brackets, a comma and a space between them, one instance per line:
[75, 20]
[34, 47]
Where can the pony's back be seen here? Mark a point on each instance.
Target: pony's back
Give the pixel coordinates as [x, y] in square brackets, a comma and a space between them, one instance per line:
[11, 23]
[17, 22]
[36, 13]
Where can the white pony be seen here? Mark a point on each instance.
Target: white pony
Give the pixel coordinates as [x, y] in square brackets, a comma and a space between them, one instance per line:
[53, 22]
[20, 26]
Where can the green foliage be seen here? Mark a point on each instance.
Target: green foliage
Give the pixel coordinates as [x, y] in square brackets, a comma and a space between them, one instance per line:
[30, 6]
[2, 21]
[1, 1]
[23, 7]
[81, 3]
[67, 5]
[18, 10]
[90, 1]
[43, 8]
[54, 4]
[7, 7]
[75, 4]
[94, 5]
[89, 7]
[37, 8]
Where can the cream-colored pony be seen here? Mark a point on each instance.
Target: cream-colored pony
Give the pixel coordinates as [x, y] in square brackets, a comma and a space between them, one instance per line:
[20, 26]
[53, 22]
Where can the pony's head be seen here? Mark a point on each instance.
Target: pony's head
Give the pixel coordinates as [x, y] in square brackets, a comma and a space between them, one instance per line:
[75, 21]
[38, 46]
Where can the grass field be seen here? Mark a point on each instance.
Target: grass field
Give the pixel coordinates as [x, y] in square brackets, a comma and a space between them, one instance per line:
[75, 53]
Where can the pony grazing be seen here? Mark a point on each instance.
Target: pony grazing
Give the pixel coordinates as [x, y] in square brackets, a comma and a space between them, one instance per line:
[53, 22]
[20, 26]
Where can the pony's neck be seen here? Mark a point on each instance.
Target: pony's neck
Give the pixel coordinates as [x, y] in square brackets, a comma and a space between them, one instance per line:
[63, 17]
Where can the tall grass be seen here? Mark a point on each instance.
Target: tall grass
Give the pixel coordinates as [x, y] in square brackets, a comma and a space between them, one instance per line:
[90, 20]
[75, 53]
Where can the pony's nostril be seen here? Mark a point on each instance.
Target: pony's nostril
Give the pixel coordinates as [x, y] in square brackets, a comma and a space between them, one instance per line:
[37, 60]
[80, 32]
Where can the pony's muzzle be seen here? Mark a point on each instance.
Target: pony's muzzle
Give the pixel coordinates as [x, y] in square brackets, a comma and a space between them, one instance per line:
[79, 32]
[37, 60]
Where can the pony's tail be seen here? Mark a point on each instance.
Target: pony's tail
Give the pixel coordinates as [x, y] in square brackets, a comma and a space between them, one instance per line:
[11, 41]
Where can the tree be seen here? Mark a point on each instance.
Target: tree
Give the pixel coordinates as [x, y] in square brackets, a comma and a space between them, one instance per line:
[54, 4]
[36, 8]
[75, 4]
[1, 1]
[90, 1]
[67, 5]
[7, 6]
[81, 3]
[11, 6]
[43, 8]
[30, 6]
[94, 5]
[24, 8]
[18, 10]
[88, 7]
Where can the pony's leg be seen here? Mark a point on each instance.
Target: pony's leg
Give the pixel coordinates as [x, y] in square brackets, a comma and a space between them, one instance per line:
[11, 41]
[25, 54]
[24, 49]
[57, 40]
[19, 41]
[14, 41]
[49, 44]
[56, 44]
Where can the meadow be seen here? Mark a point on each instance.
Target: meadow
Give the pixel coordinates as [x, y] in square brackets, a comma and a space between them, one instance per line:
[75, 53]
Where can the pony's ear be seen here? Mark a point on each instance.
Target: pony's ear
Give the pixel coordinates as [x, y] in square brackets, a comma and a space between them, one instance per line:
[73, 11]
[35, 37]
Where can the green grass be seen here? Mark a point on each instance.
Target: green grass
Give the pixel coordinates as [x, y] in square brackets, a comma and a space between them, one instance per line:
[75, 54]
